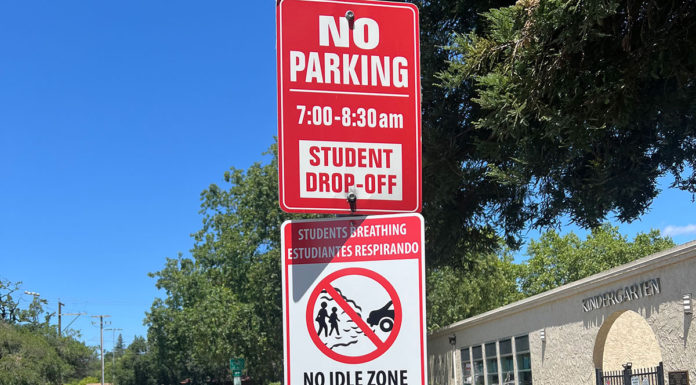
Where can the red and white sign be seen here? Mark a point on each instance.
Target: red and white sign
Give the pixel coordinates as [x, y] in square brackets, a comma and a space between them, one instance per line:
[349, 119]
[354, 301]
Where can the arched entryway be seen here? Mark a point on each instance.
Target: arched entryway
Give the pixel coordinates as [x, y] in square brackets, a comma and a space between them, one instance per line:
[625, 337]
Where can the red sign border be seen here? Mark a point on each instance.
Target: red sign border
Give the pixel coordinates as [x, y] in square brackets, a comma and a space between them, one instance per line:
[421, 291]
[330, 205]
[385, 344]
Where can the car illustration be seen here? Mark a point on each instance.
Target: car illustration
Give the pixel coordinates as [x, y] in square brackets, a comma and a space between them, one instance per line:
[384, 317]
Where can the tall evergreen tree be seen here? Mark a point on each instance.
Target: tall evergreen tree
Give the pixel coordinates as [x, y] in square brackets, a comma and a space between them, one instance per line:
[118, 349]
[580, 106]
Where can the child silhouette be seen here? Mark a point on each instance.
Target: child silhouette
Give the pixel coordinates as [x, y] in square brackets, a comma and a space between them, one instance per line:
[333, 320]
[321, 318]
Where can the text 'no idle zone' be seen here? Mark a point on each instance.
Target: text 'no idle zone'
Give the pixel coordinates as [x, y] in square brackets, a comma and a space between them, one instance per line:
[358, 377]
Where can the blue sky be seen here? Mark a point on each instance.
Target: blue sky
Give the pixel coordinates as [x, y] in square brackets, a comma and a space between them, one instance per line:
[113, 118]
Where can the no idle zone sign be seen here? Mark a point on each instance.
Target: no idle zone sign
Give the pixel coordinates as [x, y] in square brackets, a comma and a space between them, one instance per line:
[349, 107]
[354, 301]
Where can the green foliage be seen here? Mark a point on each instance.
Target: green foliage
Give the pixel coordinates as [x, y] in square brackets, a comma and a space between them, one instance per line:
[578, 106]
[27, 358]
[119, 348]
[458, 292]
[31, 356]
[12, 313]
[30, 350]
[9, 307]
[556, 260]
[456, 191]
[80, 359]
[225, 301]
[136, 366]
[539, 109]
[493, 280]
[85, 381]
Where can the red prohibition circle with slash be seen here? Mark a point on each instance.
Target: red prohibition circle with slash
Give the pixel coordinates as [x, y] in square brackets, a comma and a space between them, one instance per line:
[381, 346]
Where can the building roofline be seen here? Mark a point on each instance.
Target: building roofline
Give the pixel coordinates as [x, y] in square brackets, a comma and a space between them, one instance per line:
[661, 259]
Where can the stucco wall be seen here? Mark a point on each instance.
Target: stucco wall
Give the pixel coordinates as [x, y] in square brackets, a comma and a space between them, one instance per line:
[630, 339]
[674, 329]
[440, 362]
[568, 354]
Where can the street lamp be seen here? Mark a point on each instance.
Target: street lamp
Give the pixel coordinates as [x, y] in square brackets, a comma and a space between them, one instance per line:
[686, 302]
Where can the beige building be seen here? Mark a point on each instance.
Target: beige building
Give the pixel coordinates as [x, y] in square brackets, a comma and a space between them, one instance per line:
[582, 333]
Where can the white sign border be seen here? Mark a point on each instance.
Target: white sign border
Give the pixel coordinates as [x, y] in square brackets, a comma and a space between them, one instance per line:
[421, 289]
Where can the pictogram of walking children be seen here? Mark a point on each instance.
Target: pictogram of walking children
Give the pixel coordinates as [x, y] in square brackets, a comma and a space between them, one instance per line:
[333, 320]
[343, 332]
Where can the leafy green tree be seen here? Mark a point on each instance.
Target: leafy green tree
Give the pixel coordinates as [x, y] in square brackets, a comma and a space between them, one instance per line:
[26, 358]
[9, 307]
[136, 366]
[30, 316]
[81, 360]
[458, 292]
[556, 260]
[11, 312]
[580, 106]
[31, 351]
[29, 355]
[225, 301]
[493, 280]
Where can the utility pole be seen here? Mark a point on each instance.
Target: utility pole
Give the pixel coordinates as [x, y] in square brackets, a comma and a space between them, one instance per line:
[101, 338]
[60, 304]
[113, 352]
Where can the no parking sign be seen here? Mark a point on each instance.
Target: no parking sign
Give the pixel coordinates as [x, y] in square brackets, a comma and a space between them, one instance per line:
[353, 301]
